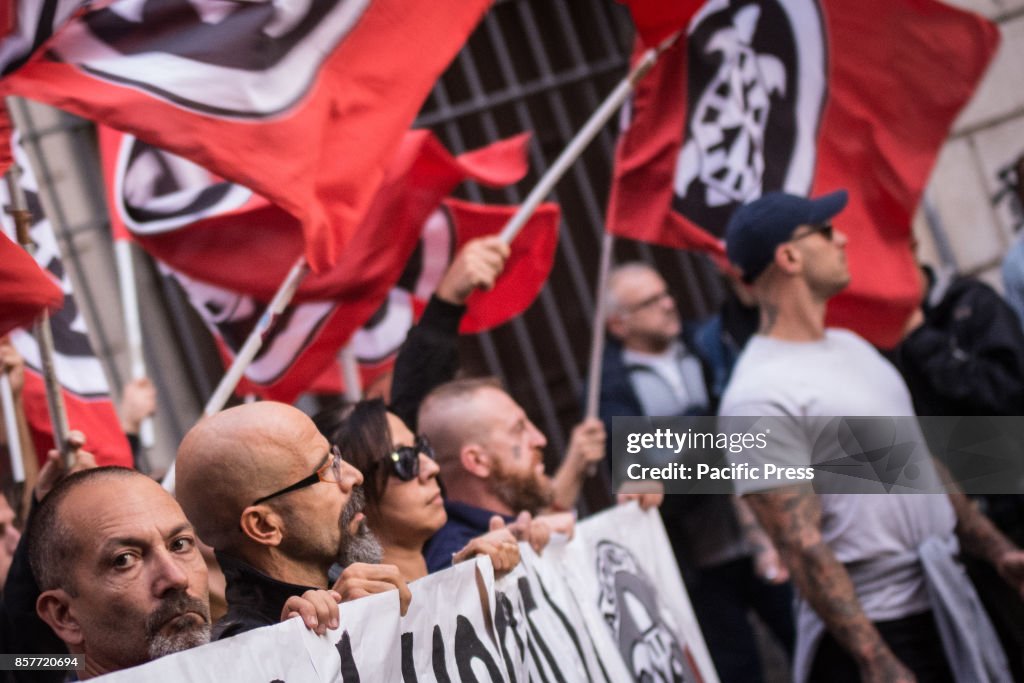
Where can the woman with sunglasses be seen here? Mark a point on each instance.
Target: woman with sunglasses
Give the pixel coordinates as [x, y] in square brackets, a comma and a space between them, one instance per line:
[404, 507]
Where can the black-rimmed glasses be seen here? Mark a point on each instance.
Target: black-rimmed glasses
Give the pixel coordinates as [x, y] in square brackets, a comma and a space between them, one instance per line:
[649, 301]
[329, 470]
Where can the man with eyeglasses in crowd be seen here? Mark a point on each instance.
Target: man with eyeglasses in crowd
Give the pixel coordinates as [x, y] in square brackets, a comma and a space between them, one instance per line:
[874, 572]
[280, 507]
[730, 568]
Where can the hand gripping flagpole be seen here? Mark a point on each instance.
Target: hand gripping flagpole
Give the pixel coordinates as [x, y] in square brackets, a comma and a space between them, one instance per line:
[252, 345]
[43, 334]
[132, 325]
[583, 138]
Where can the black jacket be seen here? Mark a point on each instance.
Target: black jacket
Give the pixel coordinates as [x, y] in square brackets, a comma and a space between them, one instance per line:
[967, 358]
[254, 599]
[428, 358]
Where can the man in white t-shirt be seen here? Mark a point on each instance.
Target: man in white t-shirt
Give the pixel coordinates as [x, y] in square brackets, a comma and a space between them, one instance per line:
[858, 561]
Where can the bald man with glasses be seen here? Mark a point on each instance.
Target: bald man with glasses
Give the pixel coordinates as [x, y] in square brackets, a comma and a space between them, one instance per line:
[280, 507]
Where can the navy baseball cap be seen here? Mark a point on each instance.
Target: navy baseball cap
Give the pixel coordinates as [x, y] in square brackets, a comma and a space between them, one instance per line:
[755, 229]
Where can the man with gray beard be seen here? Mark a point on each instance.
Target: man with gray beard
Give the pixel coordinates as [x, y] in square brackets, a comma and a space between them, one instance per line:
[121, 577]
[280, 506]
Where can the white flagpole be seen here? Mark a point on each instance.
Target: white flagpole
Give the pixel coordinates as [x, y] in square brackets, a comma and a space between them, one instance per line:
[579, 143]
[252, 345]
[350, 373]
[597, 334]
[43, 334]
[11, 429]
[132, 325]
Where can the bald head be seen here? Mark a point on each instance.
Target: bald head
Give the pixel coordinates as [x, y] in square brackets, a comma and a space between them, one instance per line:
[228, 460]
[450, 416]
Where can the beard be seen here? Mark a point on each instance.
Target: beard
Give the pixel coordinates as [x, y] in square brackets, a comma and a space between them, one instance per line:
[521, 491]
[183, 635]
[362, 546]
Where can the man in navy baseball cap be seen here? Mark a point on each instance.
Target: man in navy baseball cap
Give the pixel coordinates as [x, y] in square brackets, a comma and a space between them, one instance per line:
[758, 228]
[851, 626]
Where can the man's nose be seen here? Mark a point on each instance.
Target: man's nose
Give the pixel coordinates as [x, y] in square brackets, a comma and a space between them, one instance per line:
[537, 437]
[169, 572]
[349, 478]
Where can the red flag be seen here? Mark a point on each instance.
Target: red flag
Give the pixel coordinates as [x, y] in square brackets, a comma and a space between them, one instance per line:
[805, 98]
[656, 20]
[24, 26]
[158, 195]
[86, 393]
[304, 103]
[299, 353]
[25, 290]
[194, 222]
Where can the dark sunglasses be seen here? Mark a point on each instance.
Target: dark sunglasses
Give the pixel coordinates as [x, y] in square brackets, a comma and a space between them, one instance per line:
[825, 229]
[329, 471]
[404, 461]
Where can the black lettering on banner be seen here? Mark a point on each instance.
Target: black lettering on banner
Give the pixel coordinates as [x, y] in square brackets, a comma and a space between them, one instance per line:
[440, 668]
[567, 625]
[531, 604]
[504, 622]
[349, 671]
[408, 663]
[468, 647]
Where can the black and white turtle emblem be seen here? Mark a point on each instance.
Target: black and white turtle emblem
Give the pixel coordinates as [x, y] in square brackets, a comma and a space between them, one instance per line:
[756, 85]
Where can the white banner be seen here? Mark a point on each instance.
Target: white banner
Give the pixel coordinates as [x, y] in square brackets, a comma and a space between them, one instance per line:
[624, 566]
[607, 607]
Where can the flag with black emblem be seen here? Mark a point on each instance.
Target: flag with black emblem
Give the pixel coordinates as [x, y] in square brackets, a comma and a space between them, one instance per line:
[303, 102]
[79, 371]
[25, 289]
[193, 221]
[804, 97]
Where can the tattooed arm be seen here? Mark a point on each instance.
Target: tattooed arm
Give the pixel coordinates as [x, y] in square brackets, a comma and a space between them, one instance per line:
[767, 562]
[792, 517]
[978, 536]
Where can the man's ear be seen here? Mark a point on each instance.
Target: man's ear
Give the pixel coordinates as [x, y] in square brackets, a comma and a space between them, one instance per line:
[617, 326]
[787, 258]
[262, 525]
[54, 607]
[475, 460]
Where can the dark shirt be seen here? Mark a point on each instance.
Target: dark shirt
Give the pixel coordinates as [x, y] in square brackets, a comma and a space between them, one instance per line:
[26, 633]
[465, 522]
[428, 358]
[254, 599]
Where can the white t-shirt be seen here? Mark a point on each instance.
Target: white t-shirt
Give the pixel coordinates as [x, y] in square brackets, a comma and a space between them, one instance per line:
[841, 376]
[667, 383]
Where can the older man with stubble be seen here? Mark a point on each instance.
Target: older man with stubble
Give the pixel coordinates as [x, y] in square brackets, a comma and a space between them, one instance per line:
[280, 506]
[121, 578]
